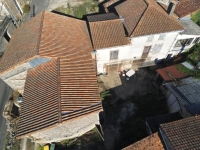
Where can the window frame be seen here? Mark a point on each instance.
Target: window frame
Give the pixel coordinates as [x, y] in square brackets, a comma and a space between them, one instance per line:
[162, 36]
[113, 56]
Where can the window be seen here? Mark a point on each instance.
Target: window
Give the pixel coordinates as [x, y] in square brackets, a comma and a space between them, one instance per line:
[157, 48]
[146, 51]
[150, 38]
[197, 40]
[185, 42]
[162, 37]
[114, 55]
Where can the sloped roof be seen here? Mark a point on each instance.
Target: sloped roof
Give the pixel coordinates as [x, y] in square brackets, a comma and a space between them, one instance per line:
[23, 44]
[170, 73]
[108, 33]
[74, 85]
[102, 17]
[40, 106]
[184, 133]
[188, 94]
[191, 28]
[151, 142]
[146, 17]
[186, 7]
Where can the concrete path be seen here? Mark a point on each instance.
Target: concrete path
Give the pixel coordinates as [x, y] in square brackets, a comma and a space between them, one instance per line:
[40, 5]
[5, 93]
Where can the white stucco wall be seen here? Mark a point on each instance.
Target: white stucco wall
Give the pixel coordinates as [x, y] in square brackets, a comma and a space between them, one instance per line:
[135, 49]
[176, 50]
[16, 76]
[70, 129]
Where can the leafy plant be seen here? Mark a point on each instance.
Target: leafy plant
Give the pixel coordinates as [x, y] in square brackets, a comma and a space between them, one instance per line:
[26, 8]
[104, 94]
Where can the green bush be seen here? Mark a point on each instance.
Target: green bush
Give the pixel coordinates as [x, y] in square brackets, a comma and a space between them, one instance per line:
[26, 8]
[193, 73]
[196, 17]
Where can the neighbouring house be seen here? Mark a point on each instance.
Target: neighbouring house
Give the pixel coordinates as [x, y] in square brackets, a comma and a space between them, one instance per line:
[186, 39]
[153, 123]
[165, 75]
[182, 92]
[182, 8]
[13, 8]
[151, 31]
[176, 135]
[48, 60]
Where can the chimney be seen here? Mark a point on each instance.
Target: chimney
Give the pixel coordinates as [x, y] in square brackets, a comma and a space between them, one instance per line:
[171, 7]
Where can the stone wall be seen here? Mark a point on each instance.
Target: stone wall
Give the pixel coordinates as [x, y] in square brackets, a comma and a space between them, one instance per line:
[70, 129]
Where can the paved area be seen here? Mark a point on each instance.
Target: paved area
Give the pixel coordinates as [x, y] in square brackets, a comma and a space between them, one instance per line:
[121, 87]
[5, 93]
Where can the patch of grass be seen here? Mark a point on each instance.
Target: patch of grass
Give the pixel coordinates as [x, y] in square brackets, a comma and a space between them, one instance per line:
[148, 105]
[40, 147]
[196, 17]
[193, 73]
[26, 8]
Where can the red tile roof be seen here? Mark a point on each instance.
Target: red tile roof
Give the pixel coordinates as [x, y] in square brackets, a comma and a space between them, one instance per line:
[22, 46]
[108, 33]
[186, 7]
[170, 73]
[145, 18]
[75, 87]
[40, 106]
[151, 142]
[183, 134]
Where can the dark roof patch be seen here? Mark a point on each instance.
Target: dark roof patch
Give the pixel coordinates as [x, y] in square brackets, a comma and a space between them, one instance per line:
[102, 17]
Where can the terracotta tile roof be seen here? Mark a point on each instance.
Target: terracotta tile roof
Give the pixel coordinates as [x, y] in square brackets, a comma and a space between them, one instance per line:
[22, 46]
[186, 7]
[151, 142]
[102, 17]
[145, 18]
[40, 99]
[76, 86]
[108, 33]
[132, 11]
[168, 73]
[183, 134]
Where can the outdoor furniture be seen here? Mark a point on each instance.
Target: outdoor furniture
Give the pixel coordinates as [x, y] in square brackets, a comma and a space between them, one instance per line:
[130, 73]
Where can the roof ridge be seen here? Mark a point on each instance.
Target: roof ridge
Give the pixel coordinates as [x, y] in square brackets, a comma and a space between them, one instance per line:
[40, 33]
